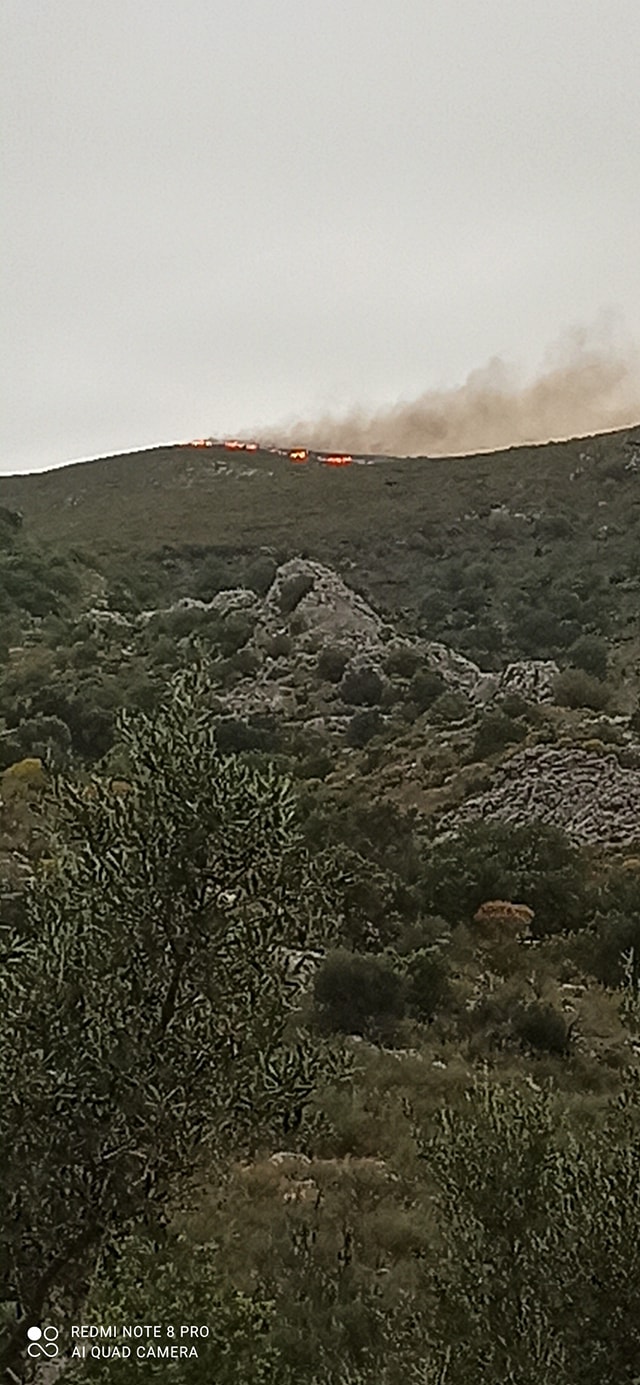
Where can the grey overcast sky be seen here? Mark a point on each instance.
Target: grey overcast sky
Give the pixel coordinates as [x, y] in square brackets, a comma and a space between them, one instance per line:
[223, 214]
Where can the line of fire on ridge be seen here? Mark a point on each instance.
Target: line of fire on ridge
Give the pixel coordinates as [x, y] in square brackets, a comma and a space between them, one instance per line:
[294, 454]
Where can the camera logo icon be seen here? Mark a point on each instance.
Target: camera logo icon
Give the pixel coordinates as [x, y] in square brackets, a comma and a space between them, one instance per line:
[43, 1343]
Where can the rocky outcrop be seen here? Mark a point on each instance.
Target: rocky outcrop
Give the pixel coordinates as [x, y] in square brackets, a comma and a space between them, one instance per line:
[232, 600]
[309, 609]
[328, 611]
[224, 603]
[587, 793]
[322, 607]
[459, 674]
[532, 679]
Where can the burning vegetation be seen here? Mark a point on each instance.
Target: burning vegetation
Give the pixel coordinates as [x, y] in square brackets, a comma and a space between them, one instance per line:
[294, 454]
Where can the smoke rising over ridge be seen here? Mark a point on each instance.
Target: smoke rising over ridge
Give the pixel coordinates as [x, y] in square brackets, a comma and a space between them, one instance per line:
[585, 386]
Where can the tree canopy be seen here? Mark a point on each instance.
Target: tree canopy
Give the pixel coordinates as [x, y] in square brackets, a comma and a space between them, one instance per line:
[146, 1002]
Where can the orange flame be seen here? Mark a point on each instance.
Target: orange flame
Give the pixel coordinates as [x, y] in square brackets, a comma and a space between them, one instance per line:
[299, 454]
[337, 459]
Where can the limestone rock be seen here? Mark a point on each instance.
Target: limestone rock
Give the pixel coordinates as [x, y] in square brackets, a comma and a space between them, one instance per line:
[235, 599]
[532, 679]
[460, 674]
[327, 607]
[590, 795]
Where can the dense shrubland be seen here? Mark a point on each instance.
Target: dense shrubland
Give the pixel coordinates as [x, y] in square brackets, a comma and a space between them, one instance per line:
[376, 1253]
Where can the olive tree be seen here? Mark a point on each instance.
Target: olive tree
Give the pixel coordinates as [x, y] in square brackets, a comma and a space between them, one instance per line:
[146, 1005]
[182, 1277]
[538, 1277]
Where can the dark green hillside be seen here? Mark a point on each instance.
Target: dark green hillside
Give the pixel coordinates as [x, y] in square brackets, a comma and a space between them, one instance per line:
[515, 553]
[180, 493]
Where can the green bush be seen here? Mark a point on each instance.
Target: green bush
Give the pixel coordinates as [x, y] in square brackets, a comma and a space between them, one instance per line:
[211, 577]
[138, 1285]
[482, 642]
[383, 857]
[488, 1024]
[163, 652]
[44, 737]
[36, 582]
[293, 590]
[362, 687]
[590, 654]
[142, 691]
[537, 633]
[362, 727]
[183, 621]
[402, 662]
[426, 686]
[534, 864]
[317, 764]
[450, 706]
[245, 662]
[85, 654]
[495, 732]
[538, 1213]
[515, 706]
[85, 706]
[359, 995]
[233, 631]
[234, 736]
[155, 1034]
[121, 598]
[553, 527]
[423, 933]
[10, 519]
[260, 574]
[616, 927]
[427, 978]
[89, 715]
[542, 1027]
[434, 610]
[614, 937]
[332, 662]
[575, 688]
[279, 645]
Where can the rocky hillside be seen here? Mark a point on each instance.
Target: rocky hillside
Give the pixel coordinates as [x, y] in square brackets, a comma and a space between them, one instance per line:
[316, 658]
[312, 631]
[500, 556]
[592, 793]
[463, 633]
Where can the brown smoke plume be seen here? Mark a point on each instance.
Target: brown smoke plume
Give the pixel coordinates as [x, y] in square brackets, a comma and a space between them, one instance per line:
[585, 387]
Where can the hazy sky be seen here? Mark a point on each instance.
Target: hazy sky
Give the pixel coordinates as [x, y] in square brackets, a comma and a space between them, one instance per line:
[222, 214]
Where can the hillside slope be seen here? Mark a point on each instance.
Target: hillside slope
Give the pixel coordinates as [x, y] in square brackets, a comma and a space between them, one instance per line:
[502, 556]
[185, 494]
